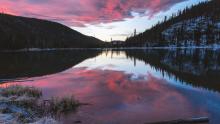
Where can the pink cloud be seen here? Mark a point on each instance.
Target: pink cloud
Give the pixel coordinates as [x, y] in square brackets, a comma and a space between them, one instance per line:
[81, 12]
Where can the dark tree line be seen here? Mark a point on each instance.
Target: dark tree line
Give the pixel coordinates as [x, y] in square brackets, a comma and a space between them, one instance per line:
[209, 10]
[20, 32]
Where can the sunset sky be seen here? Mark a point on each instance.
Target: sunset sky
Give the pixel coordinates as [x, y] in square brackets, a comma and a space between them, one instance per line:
[104, 19]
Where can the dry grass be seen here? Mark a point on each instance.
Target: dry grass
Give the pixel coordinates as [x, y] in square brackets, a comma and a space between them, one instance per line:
[17, 90]
[63, 105]
[29, 100]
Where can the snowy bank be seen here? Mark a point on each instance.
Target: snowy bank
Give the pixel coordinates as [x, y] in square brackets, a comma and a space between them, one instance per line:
[25, 105]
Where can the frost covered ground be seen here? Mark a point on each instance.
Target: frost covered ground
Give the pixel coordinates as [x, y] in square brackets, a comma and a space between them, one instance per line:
[20, 105]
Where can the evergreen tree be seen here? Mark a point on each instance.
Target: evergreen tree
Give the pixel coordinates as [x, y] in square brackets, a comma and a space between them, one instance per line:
[207, 9]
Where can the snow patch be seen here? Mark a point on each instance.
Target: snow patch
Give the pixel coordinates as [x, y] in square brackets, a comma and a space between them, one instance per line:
[46, 120]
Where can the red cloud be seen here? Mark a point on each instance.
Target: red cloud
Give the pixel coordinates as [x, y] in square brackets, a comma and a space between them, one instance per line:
[81, 12]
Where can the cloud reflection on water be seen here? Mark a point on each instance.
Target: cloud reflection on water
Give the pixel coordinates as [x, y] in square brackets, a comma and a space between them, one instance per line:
[116, 97]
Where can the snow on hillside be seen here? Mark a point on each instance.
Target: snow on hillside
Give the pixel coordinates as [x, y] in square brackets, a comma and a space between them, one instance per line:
[187, 31]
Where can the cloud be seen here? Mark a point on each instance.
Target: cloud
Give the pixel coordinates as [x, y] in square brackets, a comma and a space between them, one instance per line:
[122, 34]
[81, 12]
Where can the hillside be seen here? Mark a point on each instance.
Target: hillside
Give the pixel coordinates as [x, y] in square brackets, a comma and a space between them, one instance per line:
[21, 32]
[198, 25]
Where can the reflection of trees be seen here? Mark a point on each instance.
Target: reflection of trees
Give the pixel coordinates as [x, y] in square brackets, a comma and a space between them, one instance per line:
[199, 67]
[31, 64]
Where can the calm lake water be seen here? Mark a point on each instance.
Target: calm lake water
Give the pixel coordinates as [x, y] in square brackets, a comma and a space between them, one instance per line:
[123, 87]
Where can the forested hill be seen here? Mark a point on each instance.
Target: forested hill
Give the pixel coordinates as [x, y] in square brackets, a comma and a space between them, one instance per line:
[21, 32]
[198, 25]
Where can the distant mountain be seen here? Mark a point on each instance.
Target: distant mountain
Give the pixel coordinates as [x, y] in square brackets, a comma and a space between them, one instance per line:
[21, 32]
[198, 25]
[116, 43]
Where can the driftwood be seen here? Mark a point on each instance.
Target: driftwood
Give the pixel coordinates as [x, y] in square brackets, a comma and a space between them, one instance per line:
[200, 120]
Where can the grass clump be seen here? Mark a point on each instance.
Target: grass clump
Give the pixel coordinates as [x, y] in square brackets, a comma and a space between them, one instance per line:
[17, 90]
[63, 105]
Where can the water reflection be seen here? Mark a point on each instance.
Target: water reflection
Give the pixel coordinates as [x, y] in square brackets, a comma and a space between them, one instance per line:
[139, 86]
[32, 64]
[198, 67]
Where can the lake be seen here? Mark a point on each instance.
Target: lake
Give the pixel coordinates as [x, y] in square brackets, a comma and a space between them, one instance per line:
[123, 86]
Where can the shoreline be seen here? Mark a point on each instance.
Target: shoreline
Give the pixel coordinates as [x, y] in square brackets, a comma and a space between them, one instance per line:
[110, 48]
[22, 104]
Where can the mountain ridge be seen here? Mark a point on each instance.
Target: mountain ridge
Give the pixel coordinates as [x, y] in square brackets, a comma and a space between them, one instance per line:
[22, 32]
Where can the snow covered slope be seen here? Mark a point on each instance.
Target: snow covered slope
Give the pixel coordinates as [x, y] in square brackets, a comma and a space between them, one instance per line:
[197, 31]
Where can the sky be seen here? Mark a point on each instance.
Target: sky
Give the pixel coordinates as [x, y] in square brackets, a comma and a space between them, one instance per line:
[103, 19]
